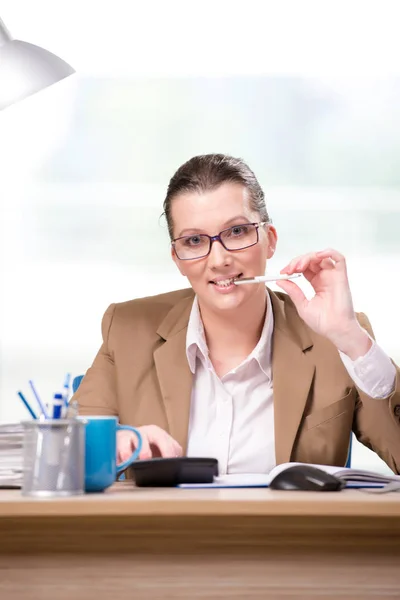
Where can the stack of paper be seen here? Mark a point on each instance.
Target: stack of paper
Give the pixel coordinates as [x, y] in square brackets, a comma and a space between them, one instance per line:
[11, 444]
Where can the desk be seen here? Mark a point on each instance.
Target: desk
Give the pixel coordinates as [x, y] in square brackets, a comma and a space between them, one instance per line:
[138, 543]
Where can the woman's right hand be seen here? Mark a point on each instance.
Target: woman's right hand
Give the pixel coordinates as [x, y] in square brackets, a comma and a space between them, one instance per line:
[155, 443]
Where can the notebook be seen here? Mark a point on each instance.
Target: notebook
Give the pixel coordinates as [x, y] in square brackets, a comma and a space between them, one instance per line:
[354, 478]
[11, 444]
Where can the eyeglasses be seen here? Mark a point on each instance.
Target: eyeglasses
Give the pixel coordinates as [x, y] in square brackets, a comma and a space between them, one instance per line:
[238, 237]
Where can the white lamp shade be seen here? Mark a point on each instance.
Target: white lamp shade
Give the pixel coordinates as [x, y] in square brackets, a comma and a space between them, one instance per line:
[26, 69]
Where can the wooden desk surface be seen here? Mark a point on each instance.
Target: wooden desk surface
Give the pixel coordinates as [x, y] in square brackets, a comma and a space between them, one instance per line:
[123, 499]
[174, 544]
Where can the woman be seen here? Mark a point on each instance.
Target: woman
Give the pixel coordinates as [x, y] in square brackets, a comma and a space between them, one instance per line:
[237, 372]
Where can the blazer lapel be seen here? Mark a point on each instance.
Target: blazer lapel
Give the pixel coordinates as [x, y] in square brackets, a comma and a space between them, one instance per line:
[293, 371]
[173, 370]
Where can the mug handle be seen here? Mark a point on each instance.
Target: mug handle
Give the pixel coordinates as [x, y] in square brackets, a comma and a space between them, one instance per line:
[124, 465]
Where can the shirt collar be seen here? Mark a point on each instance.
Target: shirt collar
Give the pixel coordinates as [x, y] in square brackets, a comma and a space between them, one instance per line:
[195, 337]
[262, 353]
[196, 344]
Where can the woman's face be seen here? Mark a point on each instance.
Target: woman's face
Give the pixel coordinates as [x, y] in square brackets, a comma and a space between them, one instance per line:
[211, 212]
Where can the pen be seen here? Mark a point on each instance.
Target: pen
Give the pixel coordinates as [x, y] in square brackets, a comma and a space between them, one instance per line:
[27, 405]
[56, 406]
[262, 278]
[66, 387]
[38, 400]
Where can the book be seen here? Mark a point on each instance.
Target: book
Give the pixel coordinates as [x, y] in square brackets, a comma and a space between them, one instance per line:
[354, 478]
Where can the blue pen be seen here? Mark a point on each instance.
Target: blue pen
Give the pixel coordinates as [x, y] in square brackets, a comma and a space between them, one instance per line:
[38, 400]
[57, 406]
[24, 400]
[67, 382]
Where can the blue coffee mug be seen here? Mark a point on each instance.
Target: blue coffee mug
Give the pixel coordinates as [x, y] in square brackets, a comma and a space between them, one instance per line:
[101, 467]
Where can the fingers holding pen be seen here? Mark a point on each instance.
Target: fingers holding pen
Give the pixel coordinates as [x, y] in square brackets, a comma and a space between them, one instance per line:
[312, 263]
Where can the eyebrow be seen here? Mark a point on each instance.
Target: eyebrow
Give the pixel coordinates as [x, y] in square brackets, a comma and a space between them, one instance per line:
[193, 230]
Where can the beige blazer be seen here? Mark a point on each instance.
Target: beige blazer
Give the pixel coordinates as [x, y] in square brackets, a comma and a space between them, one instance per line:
[141, 375]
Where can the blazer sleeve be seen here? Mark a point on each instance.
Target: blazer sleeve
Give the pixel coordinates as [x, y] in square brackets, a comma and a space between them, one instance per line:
[97, 393]
[377, 420]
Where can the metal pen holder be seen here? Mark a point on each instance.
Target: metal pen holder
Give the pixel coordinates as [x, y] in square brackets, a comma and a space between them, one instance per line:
[53, 457]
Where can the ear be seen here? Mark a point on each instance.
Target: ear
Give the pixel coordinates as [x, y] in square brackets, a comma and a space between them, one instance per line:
[272, 241]
[176, 260]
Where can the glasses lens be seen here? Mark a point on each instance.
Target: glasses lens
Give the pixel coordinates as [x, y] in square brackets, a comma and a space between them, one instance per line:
[239, 236]
[193, 246]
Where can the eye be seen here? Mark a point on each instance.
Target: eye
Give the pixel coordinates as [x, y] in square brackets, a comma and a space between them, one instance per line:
[237, 230]
[193, 240]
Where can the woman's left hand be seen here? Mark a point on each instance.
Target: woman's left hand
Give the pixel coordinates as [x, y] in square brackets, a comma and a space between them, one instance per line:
[330, 312]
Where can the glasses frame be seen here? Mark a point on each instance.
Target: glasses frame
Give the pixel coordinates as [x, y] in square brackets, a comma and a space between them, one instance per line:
[217, 238]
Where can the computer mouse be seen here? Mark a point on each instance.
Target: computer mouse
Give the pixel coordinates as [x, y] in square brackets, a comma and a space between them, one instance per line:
[306, 478]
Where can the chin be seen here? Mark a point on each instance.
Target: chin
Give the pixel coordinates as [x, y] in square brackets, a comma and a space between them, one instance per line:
[223, 302]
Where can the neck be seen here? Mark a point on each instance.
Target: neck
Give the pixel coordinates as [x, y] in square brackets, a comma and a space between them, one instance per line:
[235, 332]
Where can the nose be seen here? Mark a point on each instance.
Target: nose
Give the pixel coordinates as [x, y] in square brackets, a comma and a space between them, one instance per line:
[219, 256]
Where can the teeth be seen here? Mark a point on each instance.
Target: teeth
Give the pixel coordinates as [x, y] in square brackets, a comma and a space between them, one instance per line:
[225, 282]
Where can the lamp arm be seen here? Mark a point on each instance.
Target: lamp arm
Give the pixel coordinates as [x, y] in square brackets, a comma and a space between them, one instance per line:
[4, 34]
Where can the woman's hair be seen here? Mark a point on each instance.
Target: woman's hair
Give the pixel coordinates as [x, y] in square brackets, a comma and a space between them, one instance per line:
[206, 173]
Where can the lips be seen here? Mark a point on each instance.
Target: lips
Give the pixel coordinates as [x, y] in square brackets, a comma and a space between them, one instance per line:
[225, 281]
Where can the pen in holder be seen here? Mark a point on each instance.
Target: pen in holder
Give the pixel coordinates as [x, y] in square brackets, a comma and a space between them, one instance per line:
[53, 457]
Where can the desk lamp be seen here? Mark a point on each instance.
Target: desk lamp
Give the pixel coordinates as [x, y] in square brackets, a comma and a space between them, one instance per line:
[26, 69]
